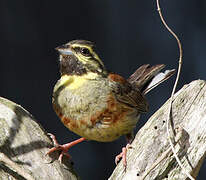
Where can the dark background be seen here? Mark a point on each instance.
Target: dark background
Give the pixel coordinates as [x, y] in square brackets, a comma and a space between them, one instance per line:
[127, 34]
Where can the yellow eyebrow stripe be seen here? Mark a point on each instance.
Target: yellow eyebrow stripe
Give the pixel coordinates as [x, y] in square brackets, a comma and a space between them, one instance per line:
[82, 46]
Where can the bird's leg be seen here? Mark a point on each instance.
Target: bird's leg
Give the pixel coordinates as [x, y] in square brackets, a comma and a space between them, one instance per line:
[64, 148]
[123, 154]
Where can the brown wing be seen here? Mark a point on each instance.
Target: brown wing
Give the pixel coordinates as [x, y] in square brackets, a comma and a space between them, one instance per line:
[128, 95]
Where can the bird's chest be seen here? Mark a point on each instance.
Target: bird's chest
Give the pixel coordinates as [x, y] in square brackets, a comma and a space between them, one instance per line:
[78, 99]
[90, 109]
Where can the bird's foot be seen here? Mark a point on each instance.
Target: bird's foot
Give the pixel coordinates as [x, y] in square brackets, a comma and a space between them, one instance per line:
[63, 148]
[123, 155]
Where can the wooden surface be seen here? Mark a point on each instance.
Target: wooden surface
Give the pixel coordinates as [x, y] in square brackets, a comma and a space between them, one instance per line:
[23, 141]
[151, 142]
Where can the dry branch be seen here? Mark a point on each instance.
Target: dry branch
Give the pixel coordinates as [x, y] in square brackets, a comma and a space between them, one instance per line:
[24, 142]
[151, 156]
[23, 145]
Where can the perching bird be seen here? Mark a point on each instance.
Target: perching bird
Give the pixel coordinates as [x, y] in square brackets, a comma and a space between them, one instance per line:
[97, 104]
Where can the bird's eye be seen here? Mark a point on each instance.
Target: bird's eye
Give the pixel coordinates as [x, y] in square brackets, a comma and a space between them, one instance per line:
[85, 51]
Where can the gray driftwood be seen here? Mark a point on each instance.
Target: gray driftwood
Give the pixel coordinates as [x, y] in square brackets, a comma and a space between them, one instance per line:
[23, 146]
[25, 143]
[151, 151]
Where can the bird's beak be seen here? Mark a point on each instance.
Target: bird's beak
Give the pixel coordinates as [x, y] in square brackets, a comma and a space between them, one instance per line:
[64, 49]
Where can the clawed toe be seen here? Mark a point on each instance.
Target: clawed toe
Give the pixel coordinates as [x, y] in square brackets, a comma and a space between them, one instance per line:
[53, 138]
[123, 155]
[63, 148]
[58, 147]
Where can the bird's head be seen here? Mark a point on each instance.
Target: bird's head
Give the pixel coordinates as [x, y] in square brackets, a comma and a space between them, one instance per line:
[78, 57]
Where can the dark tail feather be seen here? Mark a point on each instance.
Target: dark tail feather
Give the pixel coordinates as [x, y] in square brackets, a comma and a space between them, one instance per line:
[145, 78]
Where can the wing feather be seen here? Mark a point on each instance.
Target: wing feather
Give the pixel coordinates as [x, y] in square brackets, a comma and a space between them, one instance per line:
[127, 94]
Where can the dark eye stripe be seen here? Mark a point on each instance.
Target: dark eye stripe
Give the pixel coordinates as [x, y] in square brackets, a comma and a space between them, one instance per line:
[90, 56]
[77, 49]
[84, 51]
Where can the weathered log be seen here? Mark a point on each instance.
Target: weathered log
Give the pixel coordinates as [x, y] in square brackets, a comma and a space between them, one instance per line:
[25, 143]
[23, 148]
[151, 157]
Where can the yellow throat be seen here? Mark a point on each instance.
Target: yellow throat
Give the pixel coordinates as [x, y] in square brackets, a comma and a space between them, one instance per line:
[74, 82]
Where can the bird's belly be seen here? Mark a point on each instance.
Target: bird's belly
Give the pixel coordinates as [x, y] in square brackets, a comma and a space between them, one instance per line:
[93, 112]
[110, 131]
[104, 126]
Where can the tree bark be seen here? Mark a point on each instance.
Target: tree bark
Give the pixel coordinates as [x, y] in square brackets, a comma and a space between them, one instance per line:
[24, 143]
[23, 148]
[151, 157]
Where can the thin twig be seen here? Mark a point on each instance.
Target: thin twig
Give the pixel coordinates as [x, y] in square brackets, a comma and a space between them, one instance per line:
[173, 91]
[15, 167]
